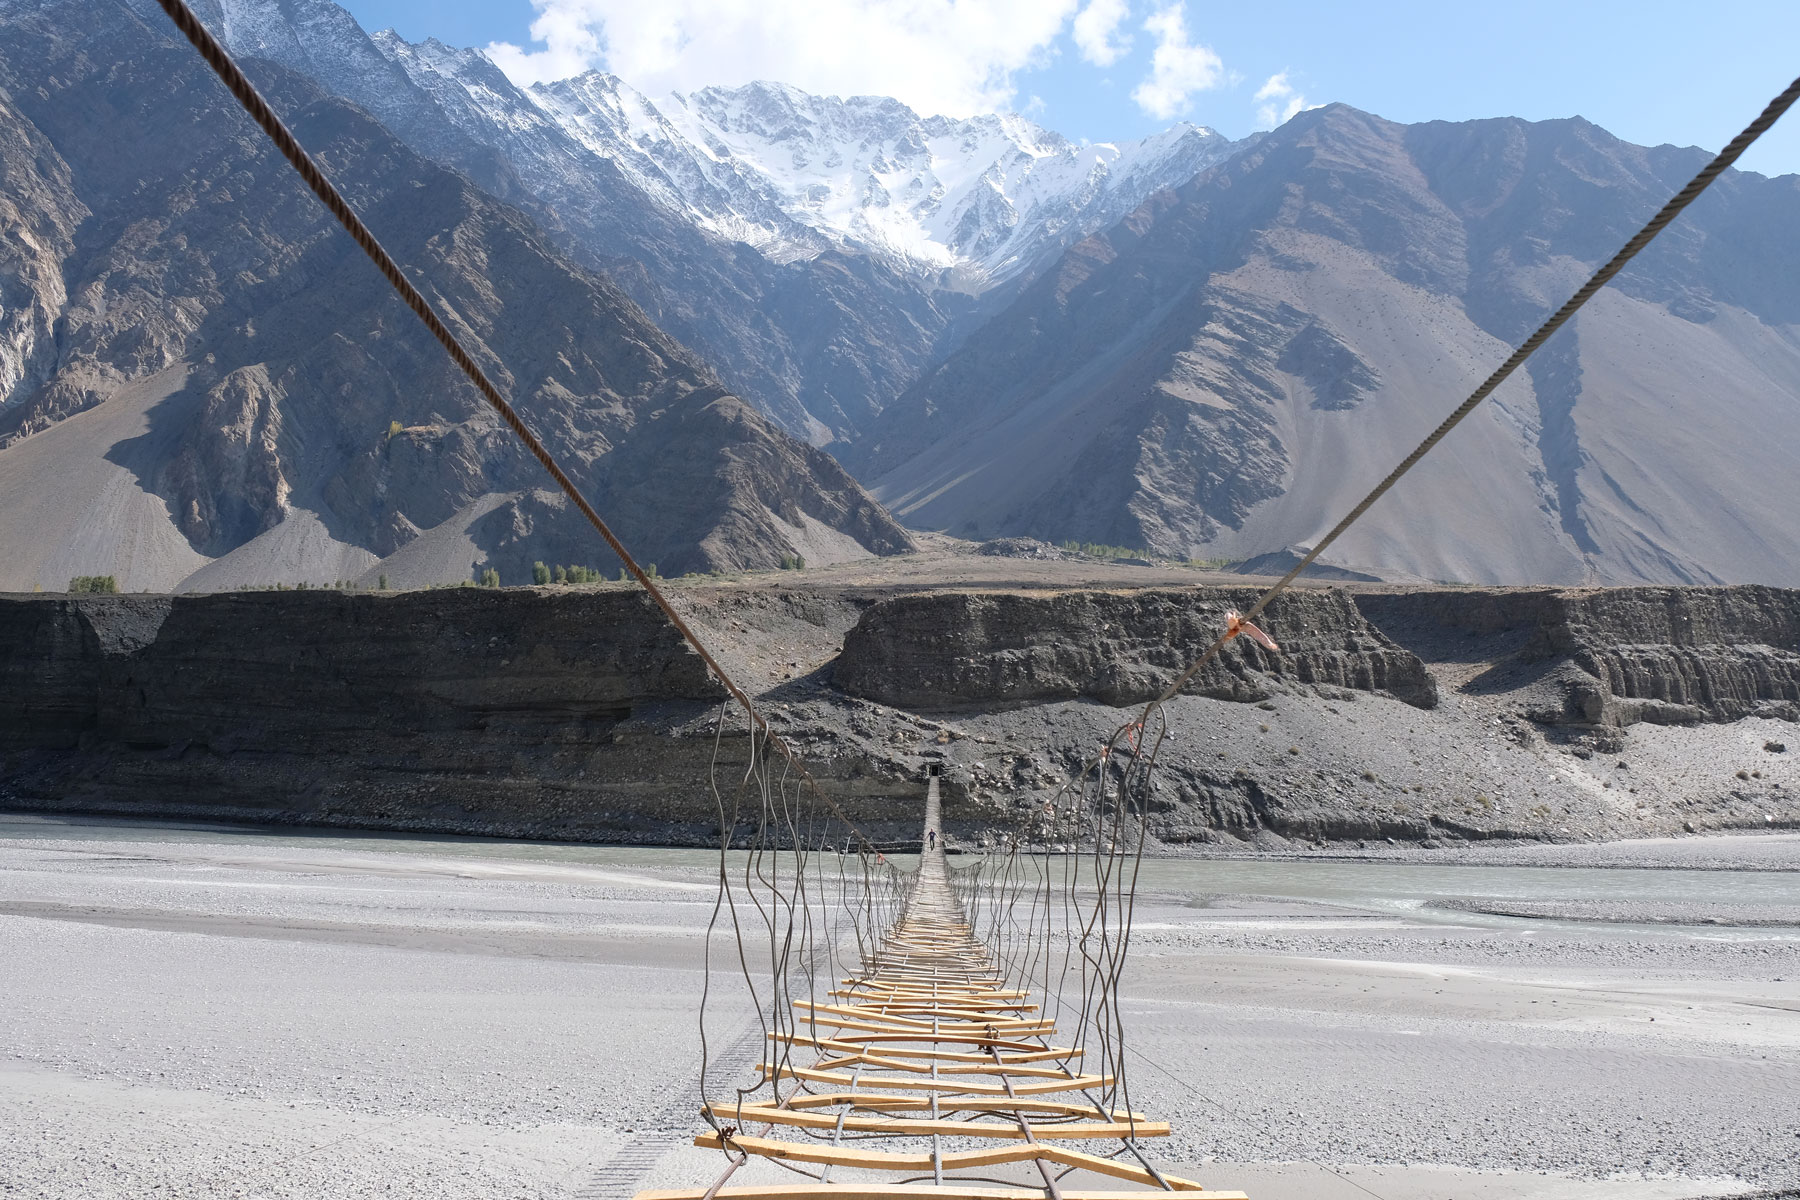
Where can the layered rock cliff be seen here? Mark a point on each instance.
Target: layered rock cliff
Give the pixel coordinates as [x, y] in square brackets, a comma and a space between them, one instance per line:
[576, 713]
[1614, 657]
[559, 713]
[958, 649]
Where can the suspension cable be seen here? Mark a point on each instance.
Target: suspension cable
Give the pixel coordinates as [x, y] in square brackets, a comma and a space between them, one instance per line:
[246, 94]
[1686, 196]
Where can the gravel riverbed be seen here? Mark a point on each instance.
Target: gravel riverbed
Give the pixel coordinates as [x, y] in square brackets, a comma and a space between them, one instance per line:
[208, 1013]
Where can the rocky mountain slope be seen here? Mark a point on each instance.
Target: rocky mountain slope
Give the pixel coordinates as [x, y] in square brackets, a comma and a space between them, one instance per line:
[1223, 372]
[819, 343]
[1218, 374]
[208, 385]
[819, 253]
[1416, 716]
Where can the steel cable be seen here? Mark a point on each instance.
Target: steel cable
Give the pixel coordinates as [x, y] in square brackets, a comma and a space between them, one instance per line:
[1686, 196]
[246, 94]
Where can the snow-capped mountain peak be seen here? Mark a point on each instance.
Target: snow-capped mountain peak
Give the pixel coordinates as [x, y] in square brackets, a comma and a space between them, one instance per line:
[692, 173]
[960, 202]
[972, 201]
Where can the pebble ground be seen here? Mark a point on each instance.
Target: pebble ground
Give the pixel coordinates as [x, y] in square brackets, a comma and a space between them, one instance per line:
[235, 1015]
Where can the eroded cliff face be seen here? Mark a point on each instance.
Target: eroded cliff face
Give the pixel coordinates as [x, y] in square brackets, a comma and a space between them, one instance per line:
[1617, 656]
[1424, 716]
[557, 713]
[1685, 654]
[949, 650]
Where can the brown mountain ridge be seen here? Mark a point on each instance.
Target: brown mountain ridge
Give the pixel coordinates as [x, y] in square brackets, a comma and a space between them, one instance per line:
[1224, 372]
[213, 387]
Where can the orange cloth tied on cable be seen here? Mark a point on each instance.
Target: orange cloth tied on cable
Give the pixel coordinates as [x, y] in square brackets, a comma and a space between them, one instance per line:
[1235, 625]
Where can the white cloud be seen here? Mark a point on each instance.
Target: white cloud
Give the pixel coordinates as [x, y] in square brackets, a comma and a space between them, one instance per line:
[571, 47]
[1277, 101]
[1096, 32]
[1178, 68]
[954, 57]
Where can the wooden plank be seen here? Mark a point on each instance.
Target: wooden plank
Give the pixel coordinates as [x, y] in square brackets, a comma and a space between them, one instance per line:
[947, 987]
[916, 955]
[1068, 1157]
[852, 1018]
[948, 1002]
[970, 997]
[852, 1046]
[958, 1068]
[967, 982]
[868, 1031]
[922, 943]
[1059, 1083]
[768, 1114]
[962, 1160]
[913, 989]
[884, 1014]
[973, 1018]
[1026, 1051]
[912, 999]
[978, 1017]
[948, 1018]
[901, 1191]
[861, 1011]
[992, 1104]
[978, 983]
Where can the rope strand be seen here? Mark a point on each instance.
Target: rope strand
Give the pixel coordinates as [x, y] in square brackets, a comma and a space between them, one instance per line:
[246, 94]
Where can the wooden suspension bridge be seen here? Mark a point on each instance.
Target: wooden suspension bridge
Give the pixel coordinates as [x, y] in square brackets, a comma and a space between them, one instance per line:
[928, 1045]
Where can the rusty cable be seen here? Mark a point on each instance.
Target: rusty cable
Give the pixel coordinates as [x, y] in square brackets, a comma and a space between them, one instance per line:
[246, 94]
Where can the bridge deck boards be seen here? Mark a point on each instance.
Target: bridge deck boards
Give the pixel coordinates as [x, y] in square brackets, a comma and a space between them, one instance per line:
[891, 1061]
[899, 1191]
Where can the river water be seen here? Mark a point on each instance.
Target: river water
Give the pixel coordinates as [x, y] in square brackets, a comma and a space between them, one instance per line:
[1380, 886]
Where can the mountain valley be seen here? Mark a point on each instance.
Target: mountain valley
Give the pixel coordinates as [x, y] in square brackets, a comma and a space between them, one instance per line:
[215, 389]
[1202, 348]
[1226, 371]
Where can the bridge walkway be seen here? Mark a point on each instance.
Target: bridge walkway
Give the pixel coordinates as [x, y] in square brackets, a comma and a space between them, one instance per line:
[929, 1048]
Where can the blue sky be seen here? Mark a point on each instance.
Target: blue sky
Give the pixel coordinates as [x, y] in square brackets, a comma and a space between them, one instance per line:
[1101, 70]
